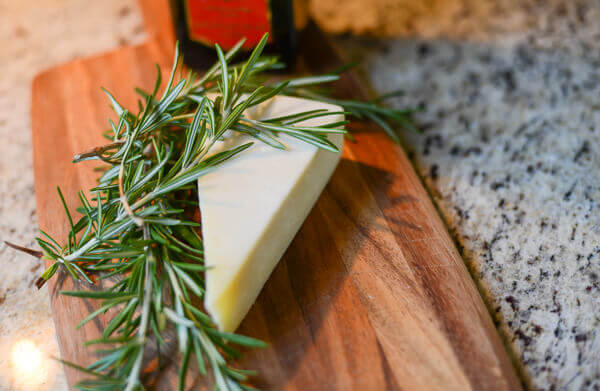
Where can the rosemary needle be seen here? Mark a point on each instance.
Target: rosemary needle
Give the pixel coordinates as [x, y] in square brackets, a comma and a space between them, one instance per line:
[135, 225]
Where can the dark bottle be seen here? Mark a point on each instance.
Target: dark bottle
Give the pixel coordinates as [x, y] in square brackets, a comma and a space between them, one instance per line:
[200, 24]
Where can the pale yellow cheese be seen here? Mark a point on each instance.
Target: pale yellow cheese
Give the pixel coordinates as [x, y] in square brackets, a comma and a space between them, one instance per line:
[253, 205]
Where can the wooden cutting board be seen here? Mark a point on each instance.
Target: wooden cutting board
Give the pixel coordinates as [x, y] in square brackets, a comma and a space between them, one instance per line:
[371, 294]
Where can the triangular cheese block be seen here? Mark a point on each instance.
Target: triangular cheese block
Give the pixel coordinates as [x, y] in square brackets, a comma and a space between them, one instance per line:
[253, 205]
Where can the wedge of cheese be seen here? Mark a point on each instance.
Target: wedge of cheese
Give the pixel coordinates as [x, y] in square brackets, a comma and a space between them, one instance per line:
[253, 205]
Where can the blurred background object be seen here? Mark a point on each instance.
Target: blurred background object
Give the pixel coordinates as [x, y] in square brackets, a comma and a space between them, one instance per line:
[200, 25]
[382, 18]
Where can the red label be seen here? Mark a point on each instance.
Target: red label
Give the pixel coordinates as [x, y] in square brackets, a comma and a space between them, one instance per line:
[227, 21]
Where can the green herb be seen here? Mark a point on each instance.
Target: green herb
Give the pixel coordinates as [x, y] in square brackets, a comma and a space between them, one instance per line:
[135, 225]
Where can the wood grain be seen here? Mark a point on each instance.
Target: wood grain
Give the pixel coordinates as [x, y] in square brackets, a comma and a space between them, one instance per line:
[371, 294]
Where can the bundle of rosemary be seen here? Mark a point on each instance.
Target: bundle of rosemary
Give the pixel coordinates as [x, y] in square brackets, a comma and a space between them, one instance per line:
[136, 225]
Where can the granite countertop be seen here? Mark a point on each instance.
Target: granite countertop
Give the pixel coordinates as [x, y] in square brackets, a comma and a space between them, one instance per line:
[510, 93]
[509, 151]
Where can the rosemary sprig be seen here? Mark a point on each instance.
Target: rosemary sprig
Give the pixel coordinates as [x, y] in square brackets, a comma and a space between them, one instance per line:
[136, 226]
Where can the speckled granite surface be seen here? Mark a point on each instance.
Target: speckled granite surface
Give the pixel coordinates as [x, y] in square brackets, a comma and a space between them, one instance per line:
[510, 152]
[35, 35]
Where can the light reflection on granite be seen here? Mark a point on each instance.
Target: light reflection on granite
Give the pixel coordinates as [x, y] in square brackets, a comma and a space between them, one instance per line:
[35, 35]
[29, 366]
[510, 153]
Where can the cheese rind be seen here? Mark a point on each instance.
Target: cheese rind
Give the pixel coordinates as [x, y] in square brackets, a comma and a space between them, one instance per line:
[253, 205]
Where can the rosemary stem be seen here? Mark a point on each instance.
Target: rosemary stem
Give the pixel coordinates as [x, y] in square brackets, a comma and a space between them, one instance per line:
[133, 379]
[81, 250]
[34, 253]
[138, 221]
[96, 151]
[204, 152]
